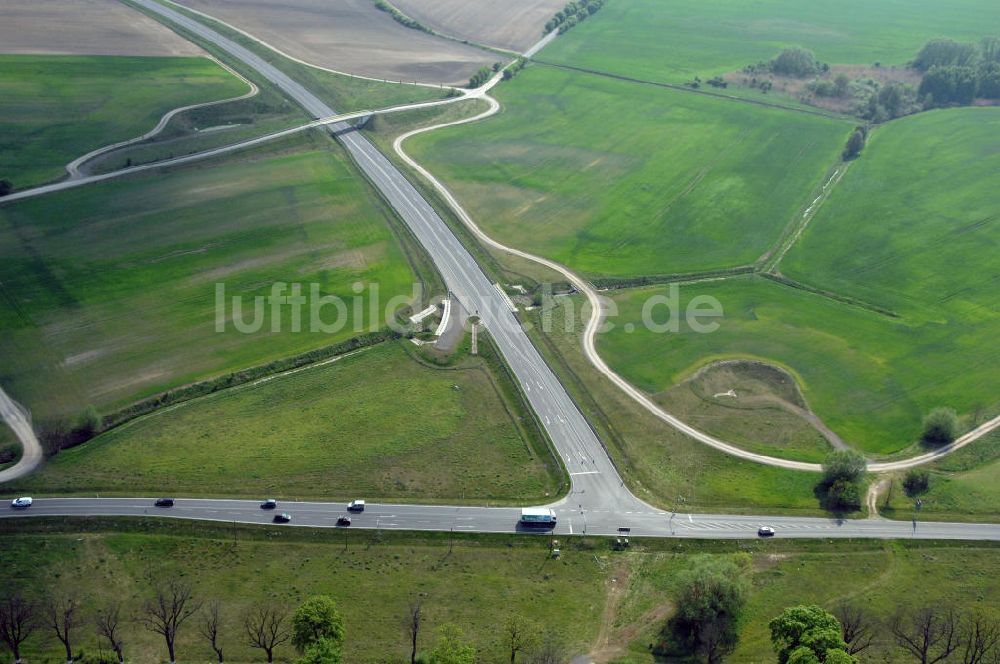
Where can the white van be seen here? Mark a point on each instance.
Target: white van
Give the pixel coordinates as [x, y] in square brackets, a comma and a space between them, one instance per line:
[356, 506]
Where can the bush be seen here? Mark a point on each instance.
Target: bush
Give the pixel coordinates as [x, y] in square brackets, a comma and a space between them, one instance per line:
[6, 187]
[855, 144]
[916, 482]
[843, 496]
[797, 62]
[940, 427]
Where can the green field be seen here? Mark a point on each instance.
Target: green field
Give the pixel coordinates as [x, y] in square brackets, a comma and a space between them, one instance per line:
[675, 41]
[375, 423]
[373, 577]
[109, 291]
[54, 108]
[913, 227]
[881, 578]
[621, 179]
[870, 377]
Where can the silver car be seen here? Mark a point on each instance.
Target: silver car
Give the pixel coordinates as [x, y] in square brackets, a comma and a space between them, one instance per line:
[21, 503]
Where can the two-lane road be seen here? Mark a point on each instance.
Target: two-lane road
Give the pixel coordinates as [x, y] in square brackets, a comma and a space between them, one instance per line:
[572, 520]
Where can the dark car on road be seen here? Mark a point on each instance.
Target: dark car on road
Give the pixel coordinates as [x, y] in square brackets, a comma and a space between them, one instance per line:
[284, 517]
[765, 531]
[164, 502]
[269, 504]
[344, 520]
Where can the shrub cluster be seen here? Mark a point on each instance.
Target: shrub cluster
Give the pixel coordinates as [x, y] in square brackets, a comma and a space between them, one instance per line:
[957, 73]
[401, 18]
[840, 488]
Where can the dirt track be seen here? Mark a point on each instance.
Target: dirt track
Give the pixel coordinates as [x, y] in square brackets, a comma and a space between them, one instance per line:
[349, 36]
[85, 27]
[514, 24]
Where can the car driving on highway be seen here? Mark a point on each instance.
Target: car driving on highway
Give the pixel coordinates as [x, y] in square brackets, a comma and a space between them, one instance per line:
[21, 503]
[269, 504]
[164, 502]
[765, 531]
[344, 520]
[356, 506]
[284, 517]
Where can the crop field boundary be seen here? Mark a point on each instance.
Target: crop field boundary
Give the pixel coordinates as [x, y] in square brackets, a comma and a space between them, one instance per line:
[684, 88]
[202, 15]
[441, 35]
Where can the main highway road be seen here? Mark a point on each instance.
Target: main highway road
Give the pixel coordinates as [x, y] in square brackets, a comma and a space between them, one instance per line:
[599, 502]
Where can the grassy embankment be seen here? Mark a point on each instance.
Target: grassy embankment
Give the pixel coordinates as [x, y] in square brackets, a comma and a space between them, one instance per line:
[376, 423]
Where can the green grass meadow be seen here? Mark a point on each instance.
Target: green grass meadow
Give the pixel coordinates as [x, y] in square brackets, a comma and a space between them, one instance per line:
[375, 423]
[674, 41]
[870, 377]
[54, 108]
[622, 179]
[373, 577]
[109, 290]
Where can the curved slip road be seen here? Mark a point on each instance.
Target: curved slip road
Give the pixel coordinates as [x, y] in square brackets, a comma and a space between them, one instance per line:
[19, 421]
[599, 502]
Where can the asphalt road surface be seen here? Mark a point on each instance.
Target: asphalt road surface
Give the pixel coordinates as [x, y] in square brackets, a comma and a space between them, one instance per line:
[571, 520]
[599, 502]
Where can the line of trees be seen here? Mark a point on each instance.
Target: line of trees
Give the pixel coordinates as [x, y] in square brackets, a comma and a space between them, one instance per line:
[315, 629]
[929, 635]
[401, 18]
[574, 12]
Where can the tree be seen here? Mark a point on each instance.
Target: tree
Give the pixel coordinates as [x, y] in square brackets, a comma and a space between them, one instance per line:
[322, 651]
[6, 187]
[414, 619]
[930, 634]
[843, 465]
[711, 597]
[166, 612]
[945, 53]
[210, 629]
[107, 622]
[856, 627]
[266, 629]
[317, 619]
[980, 637]
[843, 496]
[18, 619]
[841, 85]
[63, 615]
[451, 647]
[808, 634]
[796, 61]
[855, 144]
[940, 426]
[519, 636]
[916, 482]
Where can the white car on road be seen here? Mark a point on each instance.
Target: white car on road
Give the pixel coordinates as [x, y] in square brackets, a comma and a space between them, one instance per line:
[21, 503]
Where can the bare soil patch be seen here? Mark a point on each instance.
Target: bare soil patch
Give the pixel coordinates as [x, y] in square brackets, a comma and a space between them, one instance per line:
[350, 36]
[514, 24]
[85, 27]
